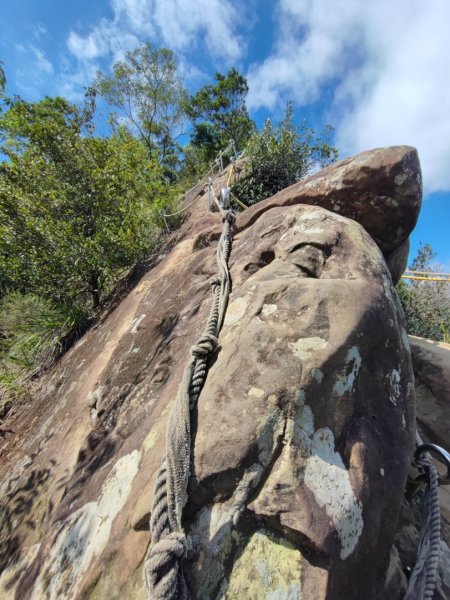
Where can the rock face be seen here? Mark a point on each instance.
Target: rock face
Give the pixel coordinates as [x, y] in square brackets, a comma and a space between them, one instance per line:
[302, 435]
[380, 188]
[431, 363]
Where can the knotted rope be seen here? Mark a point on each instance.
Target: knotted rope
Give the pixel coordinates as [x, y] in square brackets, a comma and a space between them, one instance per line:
[164, 578]
[424, 575]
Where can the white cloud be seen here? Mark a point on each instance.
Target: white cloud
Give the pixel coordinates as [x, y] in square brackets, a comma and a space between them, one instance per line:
[34, 70]
[106, 38]
[42, 63]
[178, 24]
[183, 23]
[385, 63]
[39, 31]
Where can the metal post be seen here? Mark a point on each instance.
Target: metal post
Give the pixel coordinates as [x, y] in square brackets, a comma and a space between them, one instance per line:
[209, 193]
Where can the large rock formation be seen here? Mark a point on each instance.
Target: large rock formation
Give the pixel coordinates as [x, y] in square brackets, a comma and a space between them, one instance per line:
[431, 363]
[303, 432]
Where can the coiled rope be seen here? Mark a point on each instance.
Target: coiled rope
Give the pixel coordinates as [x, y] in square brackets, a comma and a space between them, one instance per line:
[163, 572]
[424, 574]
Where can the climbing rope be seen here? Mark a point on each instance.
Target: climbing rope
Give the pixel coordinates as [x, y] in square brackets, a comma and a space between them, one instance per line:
[217, 163]
[424, 574]
[164, 578]
[163, 570]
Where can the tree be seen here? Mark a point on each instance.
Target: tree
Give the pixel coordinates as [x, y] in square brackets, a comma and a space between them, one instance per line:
[426, 304]
[2, 79]
[147, 90]
[74, 210]
[280, 155]
[219, 114]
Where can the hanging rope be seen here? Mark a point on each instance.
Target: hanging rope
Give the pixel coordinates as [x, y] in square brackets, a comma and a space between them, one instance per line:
[424, 575]
[164, 578]
[216, 163]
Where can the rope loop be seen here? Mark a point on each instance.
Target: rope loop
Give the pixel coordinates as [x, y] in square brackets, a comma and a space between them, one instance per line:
[215, 281]
[205, 345]
[423, 460]
[164, 576]
[229, 216]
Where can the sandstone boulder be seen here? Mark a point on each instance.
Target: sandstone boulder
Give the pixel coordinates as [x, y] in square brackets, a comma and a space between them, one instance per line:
[431, 362]
[380, 188]
[302, 435]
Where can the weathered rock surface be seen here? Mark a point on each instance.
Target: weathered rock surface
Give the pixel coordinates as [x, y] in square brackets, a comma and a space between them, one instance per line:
[302, 435]
[431, 363]
[380, 188]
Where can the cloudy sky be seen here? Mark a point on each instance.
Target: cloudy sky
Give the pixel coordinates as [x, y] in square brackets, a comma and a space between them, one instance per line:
[377, 70]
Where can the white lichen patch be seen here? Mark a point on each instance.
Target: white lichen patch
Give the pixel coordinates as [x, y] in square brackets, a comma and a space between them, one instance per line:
[153, 436]
[317, 374]
[394, 386]
[85, 535]
[326, 475]
[329, 481]
[135, 324]
[235, 311]
[268, 569]
[268, 309]
[352, 365]
[400, 179]
[304, 348]
[255, 392]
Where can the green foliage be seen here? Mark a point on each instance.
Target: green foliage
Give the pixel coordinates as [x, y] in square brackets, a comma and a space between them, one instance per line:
[219, 114]
[32, 332]
[426, 304]
[279, 156]
[74, 210]
[2, 79]
[147, 90]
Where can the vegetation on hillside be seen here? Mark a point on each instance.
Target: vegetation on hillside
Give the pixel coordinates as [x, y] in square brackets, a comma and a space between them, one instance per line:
[147, 90]
[77, 209]
[279, 155]
[219, 114]
[426, 304]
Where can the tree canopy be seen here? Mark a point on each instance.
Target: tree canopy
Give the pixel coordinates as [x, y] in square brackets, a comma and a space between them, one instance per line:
[148, 91]
[280, 155]
[74, 209]
[426, 304]
[219, 114]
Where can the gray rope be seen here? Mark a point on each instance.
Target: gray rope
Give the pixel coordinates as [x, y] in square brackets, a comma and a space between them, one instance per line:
[164, 578]
[424, 575]
[199, 183]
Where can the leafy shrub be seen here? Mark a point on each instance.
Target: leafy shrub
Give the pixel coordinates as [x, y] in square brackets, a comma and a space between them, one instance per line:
[32, 335]
[426, 304]
[75, 211]
[279, 156]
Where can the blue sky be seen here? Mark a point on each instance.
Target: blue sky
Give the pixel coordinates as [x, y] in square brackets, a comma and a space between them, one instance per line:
[377, 70]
